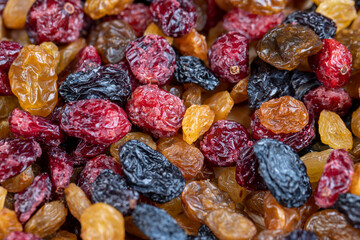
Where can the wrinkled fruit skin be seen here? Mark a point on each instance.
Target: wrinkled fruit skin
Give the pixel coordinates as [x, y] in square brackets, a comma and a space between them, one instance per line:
[35, 128]
[8, 53]
[85, 151]
[16, 155]
[86, 119]
[301, 234]
[5, 88]
[105, 82]
[229, 57]
[151, 59]
[223, 142]
[278, 162]
[175, 17]
[155, 110]
[150, 173]
[28, 200]
[21, 236]
[332, 64]
[336, 178]
[55, 21]
[348, 204]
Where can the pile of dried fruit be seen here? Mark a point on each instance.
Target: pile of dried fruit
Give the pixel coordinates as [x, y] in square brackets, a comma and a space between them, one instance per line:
[179, 119]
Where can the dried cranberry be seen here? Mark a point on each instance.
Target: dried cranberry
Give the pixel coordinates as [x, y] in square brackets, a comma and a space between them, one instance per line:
[21, 236]
[96, 121]
[297, 140]
[214, 14]
[8, 53]
[156, 110]
[58, 21]
[123, 65]
[16, 155]
[229, 57]
[247, 170]
[92, 170]
[252, 26]
[61, 169]
[28, 200]
[5, 88]
[85, 151]
[151, 59]
[332, 64]
[323, 98]
[222, 143]
[36, 128]
[335, 179]
[175, 17]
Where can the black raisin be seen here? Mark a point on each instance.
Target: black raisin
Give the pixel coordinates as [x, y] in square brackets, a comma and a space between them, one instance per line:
[156, 223]
[283, 172]
[150, 173]
[204, 233]
[301, 234]
[112, 189]
[349, 205]
[303, 82]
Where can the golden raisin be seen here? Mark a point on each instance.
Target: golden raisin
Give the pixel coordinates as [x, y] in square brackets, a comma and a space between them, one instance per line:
[333, 131]
[241, 114]
[315, 162]
[99, 8]
[102, 222]
[227, 183]
[261, 7]
[3, 193]
[254, 207]
[239, 91]
[15, 13]
[8, 222]
[221, 103]
[20, 182]
[68, 53]
[76, 200]
[7, 105]
[33, 79]
[47, 220]
[64, 235]
[192, 44]
[20, 35]
[352, 87]
[153, 29]
[4, 128]
[197, 120]
[164, 143]
[355, 183]
[192, 96]
[355, 122]
[2, 28]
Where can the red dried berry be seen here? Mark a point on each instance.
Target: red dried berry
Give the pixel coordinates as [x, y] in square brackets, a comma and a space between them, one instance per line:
[332, 64]
[16, 155]
[156, 110]
[85, 151]
[323, 98]
[8, 53]
[92, 170]
[335, 179]
[96, 121]
[175, 17]
[229, 57]
[223, 142]
[297, 140]
[214, 14]
[5, 89]
[21, 236]
[35, 128]
[58, 21]
[247, 170]
[61, 169]
[151, 59]
[250, 25]
[28, 200]
[123, 65]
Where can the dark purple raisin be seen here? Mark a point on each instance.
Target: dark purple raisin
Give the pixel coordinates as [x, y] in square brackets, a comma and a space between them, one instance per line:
[349, 205]
[301, 234]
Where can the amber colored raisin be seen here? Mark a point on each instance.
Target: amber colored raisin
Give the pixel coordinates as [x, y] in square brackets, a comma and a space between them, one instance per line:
[8, 222]
[355, 183]
[3, 193]
[228, 225]
[239, 91]
[331, 225]
[7, 105]
[4, 128]
[99, 8]
[68, 53]
[283, 115]
[261, 7]
[351, 39]
[33, 79]
[64, 235]
[15, 13]
[102, 222]
[333, 131]
[199, 198]
[76, 200]
[20, 182]
[164, 143]
[224, 5]
[227, 183]
[197, 120]
[315, 162]
[142, 137]
[192, 44]
[221, 103]
[355, 122]
[192, 96]
[153, 29]
[3, 30]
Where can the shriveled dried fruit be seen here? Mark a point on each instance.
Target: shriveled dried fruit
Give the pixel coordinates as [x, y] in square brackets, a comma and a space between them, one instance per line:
[8, 223]
[355, 122]
[15, 13]
[259, 6]
[333, 131]
[99, 8]
[153, 29]
[85, 151]
[9, 51]
[355, 183]
[192, 44]
[3, 193]
[20, 182]
[7, 105]
[221, 103]
[239, 91]
[64, 235]
[192, 96]
[68, 53]
[286, 45]
[76, 200]
[315, 162]
[349, 204]
[102, 222]
[227, 183]
[351, 39]
[21, 236]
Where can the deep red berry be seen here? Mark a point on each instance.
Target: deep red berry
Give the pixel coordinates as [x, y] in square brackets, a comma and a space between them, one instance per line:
[214, 14]
[123, 65]
[92, 170]
[155, 110]
[36, 194]
[58, 21]
[323, 98]
[96, 121]
[252, 26]
[21, 236]
[5, 89]
[175, 17]
[335, 179]
[36, 128]
[332, 64]
[151, 59]
[247, 170]
[229, 57]
[16, 155]
[8, 53]
[85, 151]
[223, 142]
